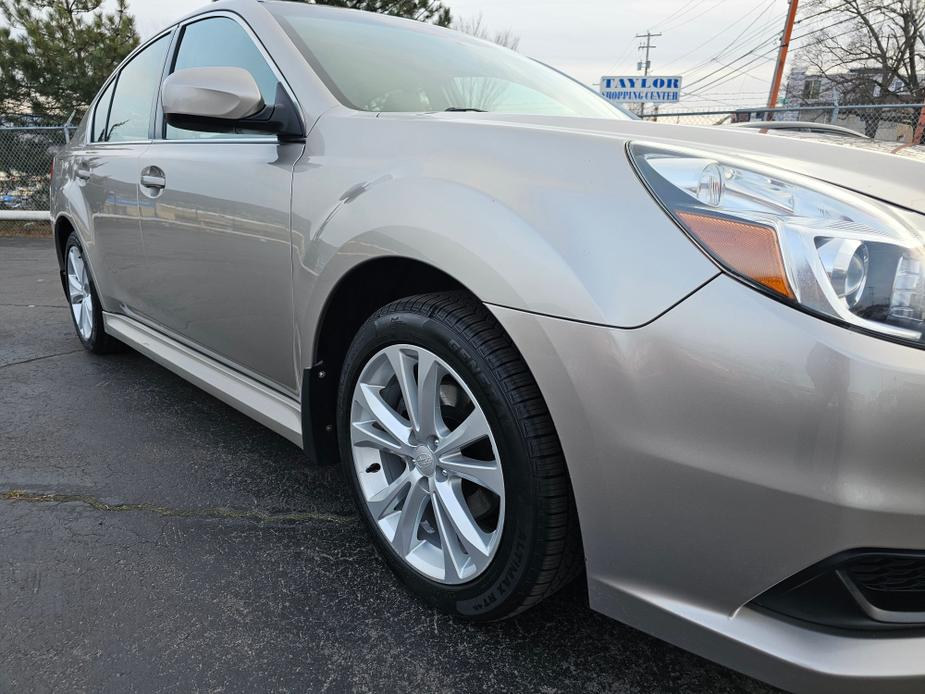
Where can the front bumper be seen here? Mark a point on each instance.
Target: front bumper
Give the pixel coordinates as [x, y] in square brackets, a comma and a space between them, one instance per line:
[722, 449]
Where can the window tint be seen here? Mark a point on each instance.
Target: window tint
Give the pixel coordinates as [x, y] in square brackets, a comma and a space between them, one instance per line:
[102, 113]
[376, 65]
[130, 117]
[222, 42]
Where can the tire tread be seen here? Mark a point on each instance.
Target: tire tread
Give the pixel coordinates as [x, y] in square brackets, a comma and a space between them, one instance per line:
[560, 558]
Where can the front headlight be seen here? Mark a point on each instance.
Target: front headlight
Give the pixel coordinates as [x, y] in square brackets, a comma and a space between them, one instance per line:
[823, 248]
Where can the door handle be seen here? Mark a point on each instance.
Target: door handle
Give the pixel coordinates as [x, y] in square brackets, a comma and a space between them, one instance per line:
[83, 171]
[150, 181]
[154, 178]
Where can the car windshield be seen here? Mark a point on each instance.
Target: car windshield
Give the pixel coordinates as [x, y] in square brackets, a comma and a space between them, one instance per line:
[372, 64]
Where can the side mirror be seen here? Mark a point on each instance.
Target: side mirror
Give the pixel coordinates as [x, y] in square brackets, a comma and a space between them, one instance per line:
[226, 100]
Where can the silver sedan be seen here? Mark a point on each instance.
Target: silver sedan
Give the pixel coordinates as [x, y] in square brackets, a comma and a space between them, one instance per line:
[541, 337]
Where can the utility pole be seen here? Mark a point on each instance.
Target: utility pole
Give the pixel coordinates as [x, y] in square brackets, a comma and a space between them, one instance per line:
[648, 36]
[782, 56]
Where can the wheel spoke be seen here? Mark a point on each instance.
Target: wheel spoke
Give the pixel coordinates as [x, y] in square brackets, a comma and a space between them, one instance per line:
[473, 429]
[370, 397]
[366, 435]
[79, 292]
[410, 519]
[476, 542]
[430, 373]
[454, 557]
[79, 268]
[75, 288]
[485, 473]
[403, 366]
[382, 501]
[85, 319]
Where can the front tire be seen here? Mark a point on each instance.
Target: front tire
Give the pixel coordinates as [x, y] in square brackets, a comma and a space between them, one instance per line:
[84, 302]
[453, 459]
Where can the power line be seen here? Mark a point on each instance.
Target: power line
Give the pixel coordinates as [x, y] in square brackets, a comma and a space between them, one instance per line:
[733, 43]
[827, 27]
[763, 43]
[743, 40]
[623, 55]
[683, 10]
[730, 64]
[738, 70]
[817, 14]
[733, 93]
[724, 30]
[696, 16]
[746, 41]
[733, 70]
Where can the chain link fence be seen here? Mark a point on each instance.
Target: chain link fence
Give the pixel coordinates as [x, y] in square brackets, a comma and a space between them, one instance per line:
[900, 123]
[27, 146]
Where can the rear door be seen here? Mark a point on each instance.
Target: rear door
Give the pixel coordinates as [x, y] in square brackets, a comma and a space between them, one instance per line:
[217, 271]
[106, 168]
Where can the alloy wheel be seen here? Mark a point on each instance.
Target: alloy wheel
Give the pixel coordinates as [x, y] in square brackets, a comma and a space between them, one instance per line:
[427, 463]
[78, 286]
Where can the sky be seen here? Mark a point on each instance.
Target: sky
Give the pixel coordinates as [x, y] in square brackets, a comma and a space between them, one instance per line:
[707, 42]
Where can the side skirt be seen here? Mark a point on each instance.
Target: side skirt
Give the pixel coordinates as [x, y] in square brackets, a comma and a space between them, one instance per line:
[276, 411]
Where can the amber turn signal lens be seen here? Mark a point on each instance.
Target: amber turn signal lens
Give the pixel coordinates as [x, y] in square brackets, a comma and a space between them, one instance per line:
[751, 250]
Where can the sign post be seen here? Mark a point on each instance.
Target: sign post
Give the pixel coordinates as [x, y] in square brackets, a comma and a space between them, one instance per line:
[622, 89]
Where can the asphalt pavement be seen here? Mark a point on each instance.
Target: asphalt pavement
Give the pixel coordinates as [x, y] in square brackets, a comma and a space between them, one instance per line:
[154, 539]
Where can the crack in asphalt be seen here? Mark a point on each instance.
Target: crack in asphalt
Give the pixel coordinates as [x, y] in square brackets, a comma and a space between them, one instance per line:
[33, 306]
[21, 496]
[47, 356]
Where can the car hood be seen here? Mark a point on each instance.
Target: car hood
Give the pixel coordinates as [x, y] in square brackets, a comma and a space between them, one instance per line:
[888, 171]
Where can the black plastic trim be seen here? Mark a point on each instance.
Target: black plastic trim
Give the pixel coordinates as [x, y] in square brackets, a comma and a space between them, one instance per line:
[825, 595]
[319, 438]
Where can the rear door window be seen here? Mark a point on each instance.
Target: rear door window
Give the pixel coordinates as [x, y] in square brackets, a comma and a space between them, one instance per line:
[101, 114]
[136, 91]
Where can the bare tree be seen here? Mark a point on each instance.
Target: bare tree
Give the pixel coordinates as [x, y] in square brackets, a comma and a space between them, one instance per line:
[475, 26]
[481, 92]
[870, 51]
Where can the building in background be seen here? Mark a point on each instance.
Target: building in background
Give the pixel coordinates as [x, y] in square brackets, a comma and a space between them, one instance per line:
[835, 93]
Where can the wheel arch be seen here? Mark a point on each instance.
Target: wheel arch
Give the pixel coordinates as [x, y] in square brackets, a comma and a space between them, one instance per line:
[396, 237]
[345, 309]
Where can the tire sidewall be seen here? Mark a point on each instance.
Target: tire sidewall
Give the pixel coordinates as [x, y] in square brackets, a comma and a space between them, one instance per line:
[489, 593]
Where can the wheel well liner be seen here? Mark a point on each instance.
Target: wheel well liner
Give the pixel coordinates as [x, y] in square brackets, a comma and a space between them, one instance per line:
[62, 230]
[358, 295]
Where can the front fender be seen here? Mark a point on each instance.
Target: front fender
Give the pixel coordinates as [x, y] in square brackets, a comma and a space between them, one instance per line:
[463, 232]
[555, 223]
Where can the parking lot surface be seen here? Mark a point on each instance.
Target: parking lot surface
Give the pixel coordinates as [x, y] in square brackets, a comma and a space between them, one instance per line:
[155, 539]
